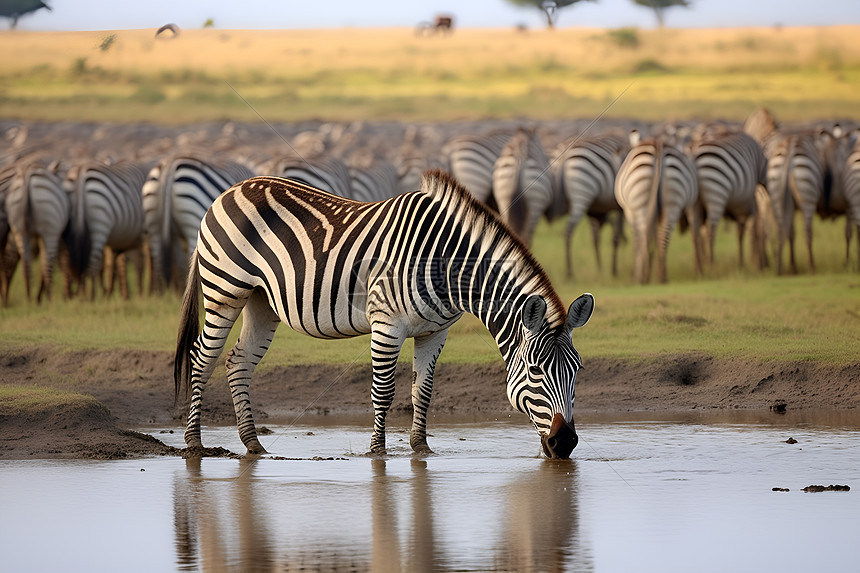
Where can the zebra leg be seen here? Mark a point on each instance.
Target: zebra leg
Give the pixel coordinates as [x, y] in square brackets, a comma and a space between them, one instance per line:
[596, 225]
[617, 236]
[219, 319]
[568, 235]
[259, 323]
[427, 349]
[807, 229]
[385, 345]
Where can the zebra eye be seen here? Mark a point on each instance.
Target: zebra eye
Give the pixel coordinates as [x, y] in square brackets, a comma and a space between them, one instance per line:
[535, 371]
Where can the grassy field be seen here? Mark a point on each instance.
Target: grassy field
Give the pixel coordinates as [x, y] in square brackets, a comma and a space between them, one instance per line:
[731, 313]
[801, 73]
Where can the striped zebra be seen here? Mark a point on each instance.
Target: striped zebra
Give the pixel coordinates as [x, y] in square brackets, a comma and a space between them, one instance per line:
[38, 210]
[107, 213]
[852, 187]
[8, 252]
[472, 158]
[795, 179]
[521, 185]
[729, 166]
[176, 195]
[656, 186]
[324, 172]
[584, 171]
[372, 178]
[276, 251]
[836, 145]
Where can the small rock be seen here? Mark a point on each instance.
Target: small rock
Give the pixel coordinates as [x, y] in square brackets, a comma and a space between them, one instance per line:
[779, 407]
[791, 441]
[820, 488]
[780, 489]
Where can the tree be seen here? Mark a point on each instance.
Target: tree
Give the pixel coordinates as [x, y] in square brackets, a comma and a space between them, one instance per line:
[14, 9]
[549, 8]
[660, 6]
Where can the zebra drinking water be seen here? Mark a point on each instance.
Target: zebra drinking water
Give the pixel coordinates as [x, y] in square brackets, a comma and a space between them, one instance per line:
[276, 250]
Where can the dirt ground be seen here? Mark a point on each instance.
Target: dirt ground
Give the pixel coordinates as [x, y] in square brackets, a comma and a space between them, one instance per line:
[136, 390]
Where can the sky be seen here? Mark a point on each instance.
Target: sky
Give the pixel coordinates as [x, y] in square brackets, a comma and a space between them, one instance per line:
[296, 14]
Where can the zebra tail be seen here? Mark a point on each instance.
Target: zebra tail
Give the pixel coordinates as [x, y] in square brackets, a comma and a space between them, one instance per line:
[655, 198]
[77, 234]
[786, 177]
[189, 330]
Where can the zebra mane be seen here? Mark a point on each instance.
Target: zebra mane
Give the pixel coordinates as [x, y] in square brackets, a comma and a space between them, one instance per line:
[442, 187]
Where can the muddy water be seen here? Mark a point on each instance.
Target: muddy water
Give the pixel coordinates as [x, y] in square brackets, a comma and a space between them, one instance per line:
[692, 494]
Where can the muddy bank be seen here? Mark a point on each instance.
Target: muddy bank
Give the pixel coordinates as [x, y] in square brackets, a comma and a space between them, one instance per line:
[136, 390]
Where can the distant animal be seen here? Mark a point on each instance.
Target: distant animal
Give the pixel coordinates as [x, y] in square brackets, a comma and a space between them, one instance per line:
[168, 31]
[584, 172]
[472, 158]
[522, 189]
[656, 186]
[320, 170]
[795, 179]
[275, 250]
[38, 210]
[176, 195]
[107, 217]
[372, 178]
[442, 23]
[852, 188]
[729, 166]
[17, 8]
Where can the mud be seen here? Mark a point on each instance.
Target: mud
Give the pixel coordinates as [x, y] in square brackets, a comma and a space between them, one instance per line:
[136, 390]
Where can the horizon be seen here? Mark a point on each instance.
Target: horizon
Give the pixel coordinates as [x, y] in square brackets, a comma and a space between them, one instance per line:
[98, 15]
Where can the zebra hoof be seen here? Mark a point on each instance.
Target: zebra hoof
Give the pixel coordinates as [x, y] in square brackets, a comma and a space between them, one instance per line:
[420, 447]
[255, 448]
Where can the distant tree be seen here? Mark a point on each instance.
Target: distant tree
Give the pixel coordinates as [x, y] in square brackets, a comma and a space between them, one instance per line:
[209, 23]
[549, 8]
[14, 9]
[660, 6]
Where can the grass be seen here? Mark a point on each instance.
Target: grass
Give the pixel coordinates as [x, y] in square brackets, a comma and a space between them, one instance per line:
[22, 401]
[732, 312]
[801, 73]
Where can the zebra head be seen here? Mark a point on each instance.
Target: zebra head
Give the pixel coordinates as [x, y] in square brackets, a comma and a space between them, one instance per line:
[542, 371]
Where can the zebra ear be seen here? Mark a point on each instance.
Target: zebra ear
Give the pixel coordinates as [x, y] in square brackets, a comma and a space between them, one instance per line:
[534, 312]
[580, 311]
[634, 137]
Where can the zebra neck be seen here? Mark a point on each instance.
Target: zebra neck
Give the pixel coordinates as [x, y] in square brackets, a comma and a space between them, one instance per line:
[493, 292]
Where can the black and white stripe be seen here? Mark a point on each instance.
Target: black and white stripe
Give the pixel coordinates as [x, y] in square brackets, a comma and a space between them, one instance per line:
[521, 185]
[729, 166]
[8, 251]
[38, 213]
[278, 251]
[851, 174]
[472, 158]
[322, 171]
[107, 212]
[372, 178]
[584, 171]
[656, 186]
[176, 195]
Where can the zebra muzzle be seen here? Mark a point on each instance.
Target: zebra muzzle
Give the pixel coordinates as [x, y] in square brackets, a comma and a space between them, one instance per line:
[561, 439]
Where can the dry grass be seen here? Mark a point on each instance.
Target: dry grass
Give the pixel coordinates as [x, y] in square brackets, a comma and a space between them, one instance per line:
[391, 73]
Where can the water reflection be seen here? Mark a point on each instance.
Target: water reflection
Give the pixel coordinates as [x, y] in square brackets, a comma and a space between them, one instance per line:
[541, 531]
[248, 520]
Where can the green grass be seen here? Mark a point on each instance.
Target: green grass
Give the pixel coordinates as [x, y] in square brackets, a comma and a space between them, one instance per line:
[732, 312]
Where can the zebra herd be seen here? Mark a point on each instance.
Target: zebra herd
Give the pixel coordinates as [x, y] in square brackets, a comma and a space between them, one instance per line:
[143, 204]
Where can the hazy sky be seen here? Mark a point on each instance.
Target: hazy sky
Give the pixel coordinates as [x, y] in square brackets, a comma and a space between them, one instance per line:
[109, 15]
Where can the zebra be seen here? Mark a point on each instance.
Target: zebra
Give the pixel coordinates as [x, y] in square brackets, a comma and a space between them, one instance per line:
[584, 171]
[835, 145]
[521, 185]
[175, 196]
[729, 166]
[655, 186]
[107, 212]
[276, 250]
[471, 159]
[8, 251]
[372, 178]
[322, 171]
[795, 179]
[38, 208]
[852, 187]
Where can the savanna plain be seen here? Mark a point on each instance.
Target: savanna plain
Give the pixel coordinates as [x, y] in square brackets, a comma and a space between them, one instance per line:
[76, 375]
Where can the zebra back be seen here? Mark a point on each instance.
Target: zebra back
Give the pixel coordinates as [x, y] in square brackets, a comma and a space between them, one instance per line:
[321, 171]
[471, 159]
[372, 178]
